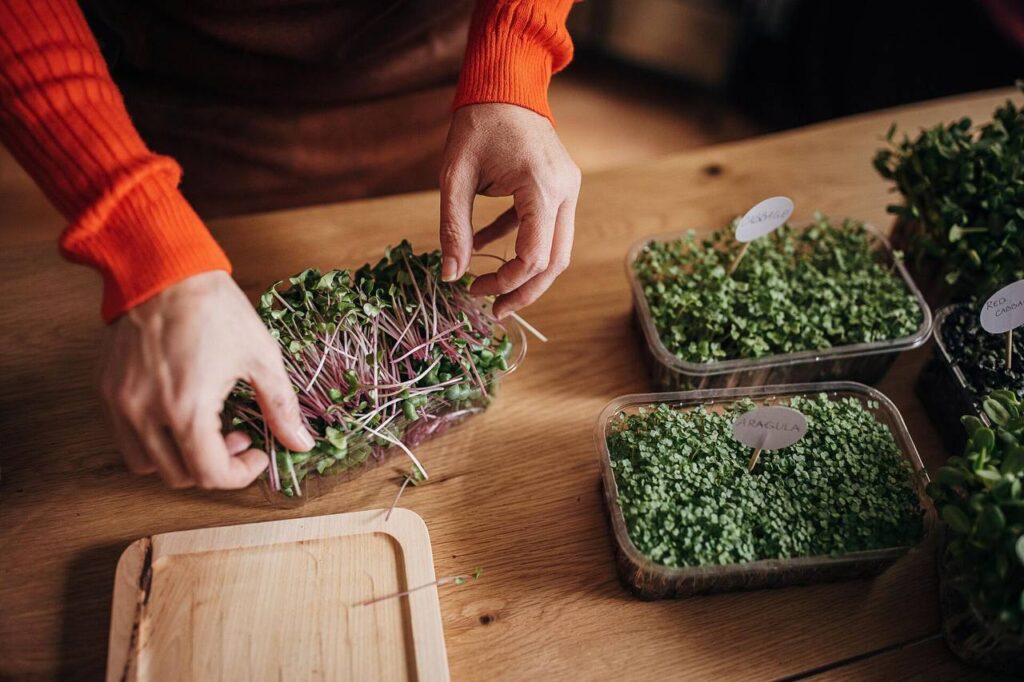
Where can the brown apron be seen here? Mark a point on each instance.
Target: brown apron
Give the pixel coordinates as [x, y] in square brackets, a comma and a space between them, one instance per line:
[275, 103]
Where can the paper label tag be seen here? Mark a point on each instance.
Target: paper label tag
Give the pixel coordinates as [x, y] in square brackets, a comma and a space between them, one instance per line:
[1004, 310]
[766, 217]
[770, 428]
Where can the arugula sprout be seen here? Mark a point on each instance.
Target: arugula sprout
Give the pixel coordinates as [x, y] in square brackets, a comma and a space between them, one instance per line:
[688, 499]
[795, 290]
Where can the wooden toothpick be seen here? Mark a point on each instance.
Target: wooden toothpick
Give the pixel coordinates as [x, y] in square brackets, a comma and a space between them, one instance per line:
[1009, 350]
[757, 451]
[739, 256]
[753, 460]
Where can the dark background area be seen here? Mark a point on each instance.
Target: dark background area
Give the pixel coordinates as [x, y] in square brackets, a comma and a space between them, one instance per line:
[790, 62]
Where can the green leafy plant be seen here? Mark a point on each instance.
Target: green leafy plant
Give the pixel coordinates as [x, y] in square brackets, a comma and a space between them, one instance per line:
[980, 498]
[795, 290]
[963, 198]
[688, 499]
[380, 358]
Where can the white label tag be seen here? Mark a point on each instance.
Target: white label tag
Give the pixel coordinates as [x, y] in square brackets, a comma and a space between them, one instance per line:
[1004, 310]
[770, 428]
[766, 217]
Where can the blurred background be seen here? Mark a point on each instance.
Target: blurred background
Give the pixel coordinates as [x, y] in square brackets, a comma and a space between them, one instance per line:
[656, 77]
[652, 77]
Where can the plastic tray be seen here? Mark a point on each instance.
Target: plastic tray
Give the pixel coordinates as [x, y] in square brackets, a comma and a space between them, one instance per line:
[650, 580]
[863, 362]
[445, 418]
[943, 390]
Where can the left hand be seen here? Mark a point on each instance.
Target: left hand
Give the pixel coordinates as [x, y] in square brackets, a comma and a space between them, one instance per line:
[503, 150]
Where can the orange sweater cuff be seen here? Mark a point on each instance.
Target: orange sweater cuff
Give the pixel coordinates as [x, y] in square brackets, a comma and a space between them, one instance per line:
[142, 238]
[514, 48]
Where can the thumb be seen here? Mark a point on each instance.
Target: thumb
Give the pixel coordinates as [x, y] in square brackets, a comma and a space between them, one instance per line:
[458, 190]
[278, 403]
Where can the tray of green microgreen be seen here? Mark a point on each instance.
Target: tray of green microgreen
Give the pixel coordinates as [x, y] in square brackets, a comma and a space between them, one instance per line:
[817, 302]
[961, 219]
[381, 358]
[687, 517]
[967, 363]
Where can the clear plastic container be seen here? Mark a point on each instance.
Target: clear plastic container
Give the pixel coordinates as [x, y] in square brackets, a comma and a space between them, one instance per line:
[967, 633]
[650, 580]
[863, 362]
[444, 417]
[944, 392]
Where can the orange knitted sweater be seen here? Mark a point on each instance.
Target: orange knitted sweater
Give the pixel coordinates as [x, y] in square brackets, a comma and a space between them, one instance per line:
[63, 118]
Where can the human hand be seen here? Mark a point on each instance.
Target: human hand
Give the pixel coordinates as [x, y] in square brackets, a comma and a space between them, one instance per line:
[502, 150]
[166, 368]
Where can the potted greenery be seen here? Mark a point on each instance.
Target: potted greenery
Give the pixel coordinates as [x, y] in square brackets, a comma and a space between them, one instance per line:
[979, 496]
[962, 217]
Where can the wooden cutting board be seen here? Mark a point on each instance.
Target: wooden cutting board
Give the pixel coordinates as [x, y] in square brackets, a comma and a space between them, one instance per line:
[280, 600]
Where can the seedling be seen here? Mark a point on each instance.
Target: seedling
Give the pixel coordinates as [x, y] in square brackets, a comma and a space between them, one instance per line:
[457, 580]
[812, 289]
[688, 499]
[378, 358]
[414, 477]
[980, 496]
[963, 199]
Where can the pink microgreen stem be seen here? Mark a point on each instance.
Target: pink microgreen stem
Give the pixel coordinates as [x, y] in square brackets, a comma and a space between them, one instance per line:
[440, 582]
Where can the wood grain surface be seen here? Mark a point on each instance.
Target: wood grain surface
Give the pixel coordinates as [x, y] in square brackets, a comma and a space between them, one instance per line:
[515, 491]
[280, 600]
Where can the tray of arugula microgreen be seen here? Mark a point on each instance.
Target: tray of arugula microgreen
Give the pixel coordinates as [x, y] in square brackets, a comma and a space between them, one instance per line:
[381, 359]
[822, 301]
[688, 517]
[967, 364]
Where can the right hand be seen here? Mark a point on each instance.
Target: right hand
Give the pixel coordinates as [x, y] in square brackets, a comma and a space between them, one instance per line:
[168, 365]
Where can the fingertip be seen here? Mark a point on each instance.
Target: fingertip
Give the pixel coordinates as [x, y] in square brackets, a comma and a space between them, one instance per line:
[246, 466]
[450, 269]
[237, 442]
[484, 285]
[298, 439]
[254, 461]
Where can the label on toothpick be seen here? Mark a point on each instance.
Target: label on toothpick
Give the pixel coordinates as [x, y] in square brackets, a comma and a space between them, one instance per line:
[1004, 310]
[764, 218]
[770, 428]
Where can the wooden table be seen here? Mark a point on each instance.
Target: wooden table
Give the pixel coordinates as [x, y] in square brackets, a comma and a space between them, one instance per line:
[515, 490]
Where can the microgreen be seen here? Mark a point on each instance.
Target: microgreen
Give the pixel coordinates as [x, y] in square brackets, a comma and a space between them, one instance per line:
[980, 498]
[963, 198]
[415, 477]
[812, 289]
[688, 499]
[457, 580]
[379, 358]
[980, 356]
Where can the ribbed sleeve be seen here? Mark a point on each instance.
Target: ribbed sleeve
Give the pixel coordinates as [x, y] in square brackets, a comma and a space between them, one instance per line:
[514, 48]
[64, 120]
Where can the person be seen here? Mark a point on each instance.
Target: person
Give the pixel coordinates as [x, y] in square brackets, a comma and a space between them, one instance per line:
[250, 98]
